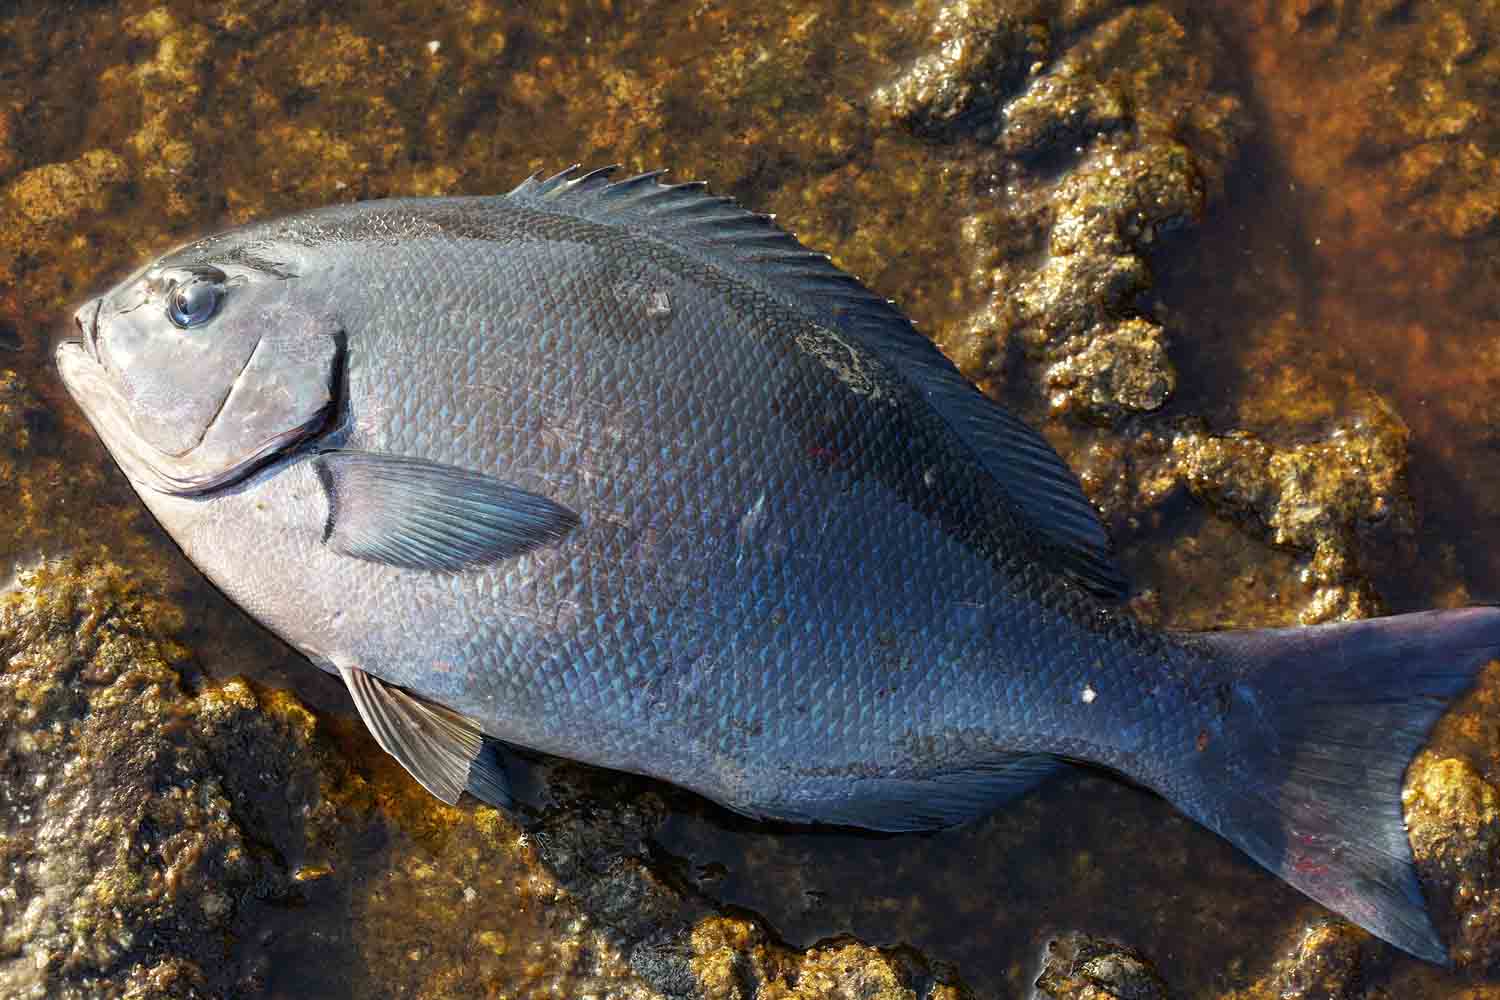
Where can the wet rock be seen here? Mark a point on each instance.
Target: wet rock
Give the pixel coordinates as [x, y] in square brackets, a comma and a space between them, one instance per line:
[10, 149]
[476, 908]
[976, 52]
[1109, 144]
[1331, 500]
[344, 124]
[111, 822]
[1081, 967]
[731, 959]
[170, 88]
[51, 197]
[1065, 106]
[1326, 963]
[1383, 113]
[1117, 371]
[1069, 312]
[39, 481]
[1453, 816]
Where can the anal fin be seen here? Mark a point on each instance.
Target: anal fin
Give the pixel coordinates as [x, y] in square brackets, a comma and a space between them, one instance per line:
[934, 801]
[446, 752]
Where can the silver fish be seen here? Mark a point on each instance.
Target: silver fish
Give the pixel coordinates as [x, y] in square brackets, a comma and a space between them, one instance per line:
[619, 471]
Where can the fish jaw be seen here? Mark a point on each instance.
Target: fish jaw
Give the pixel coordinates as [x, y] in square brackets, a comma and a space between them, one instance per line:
[200, 470]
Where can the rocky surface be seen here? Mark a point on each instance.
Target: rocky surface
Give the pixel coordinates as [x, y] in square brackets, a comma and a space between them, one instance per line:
[116, 834]
[1080, 967]
[1384, 117]
[1106, 134]
[1029, 179]
[161, 842]
[1327, 962]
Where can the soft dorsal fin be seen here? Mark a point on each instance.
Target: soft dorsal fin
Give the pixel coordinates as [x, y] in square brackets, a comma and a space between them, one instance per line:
[1040, 486]
[443, 750]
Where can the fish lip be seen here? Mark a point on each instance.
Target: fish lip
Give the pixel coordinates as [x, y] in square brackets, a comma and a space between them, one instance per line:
[88, 330]
[91, 335]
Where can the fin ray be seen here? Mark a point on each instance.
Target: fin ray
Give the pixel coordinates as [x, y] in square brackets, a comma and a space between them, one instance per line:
[1326, 722]
[446, 752]
[931, 802]
[422, 515]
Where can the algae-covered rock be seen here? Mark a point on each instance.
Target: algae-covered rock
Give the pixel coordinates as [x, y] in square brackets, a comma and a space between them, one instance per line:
[1331, 500]
[116, 837]
[1081, 967]
[1112, 136]
[731, 959]
[1453, 815]
[1326, 963]
[1123, 369]
[975, 53]
[473, 909]
[46, 199]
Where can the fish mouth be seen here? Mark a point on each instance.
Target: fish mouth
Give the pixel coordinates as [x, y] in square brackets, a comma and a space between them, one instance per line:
[90, 331]
[87, 381]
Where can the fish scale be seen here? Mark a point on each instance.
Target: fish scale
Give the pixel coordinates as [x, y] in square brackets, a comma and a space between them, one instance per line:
[618, 471]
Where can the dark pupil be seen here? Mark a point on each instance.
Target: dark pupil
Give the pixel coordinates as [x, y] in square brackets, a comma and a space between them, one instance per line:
[194, 302]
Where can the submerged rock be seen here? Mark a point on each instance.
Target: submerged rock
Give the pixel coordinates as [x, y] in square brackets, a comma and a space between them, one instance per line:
[1320, 498]
[116, 839]
[1326, 963]
[10, 156]
[976, 53]
[1454, 820]
[732, 959]
[1080, 967]
[48, 198]
[1120, 370]
[1108, 141]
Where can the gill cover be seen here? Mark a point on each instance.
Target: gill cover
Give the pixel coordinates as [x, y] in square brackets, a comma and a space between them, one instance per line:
[195, 372]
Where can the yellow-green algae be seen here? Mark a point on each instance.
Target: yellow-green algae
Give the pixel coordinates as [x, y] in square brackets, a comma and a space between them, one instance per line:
[732, 959]
[1014, 172]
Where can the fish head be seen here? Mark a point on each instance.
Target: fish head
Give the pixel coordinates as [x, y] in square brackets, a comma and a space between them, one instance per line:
[207, 363]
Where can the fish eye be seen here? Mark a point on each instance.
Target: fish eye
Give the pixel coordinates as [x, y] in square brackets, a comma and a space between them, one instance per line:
[195, 299]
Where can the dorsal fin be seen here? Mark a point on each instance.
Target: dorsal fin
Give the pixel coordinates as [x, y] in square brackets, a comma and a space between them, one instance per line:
[1040, 486]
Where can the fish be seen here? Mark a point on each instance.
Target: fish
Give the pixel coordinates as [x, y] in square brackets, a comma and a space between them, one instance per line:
[616, 470]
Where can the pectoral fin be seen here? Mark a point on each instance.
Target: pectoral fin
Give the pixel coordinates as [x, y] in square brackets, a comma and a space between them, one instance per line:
[443, 750]
[422, 515]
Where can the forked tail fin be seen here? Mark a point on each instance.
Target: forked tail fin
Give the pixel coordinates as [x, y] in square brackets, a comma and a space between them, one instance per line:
[1321, 726]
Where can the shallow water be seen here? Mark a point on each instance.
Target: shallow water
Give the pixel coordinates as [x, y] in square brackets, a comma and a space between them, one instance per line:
[1319, 257]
